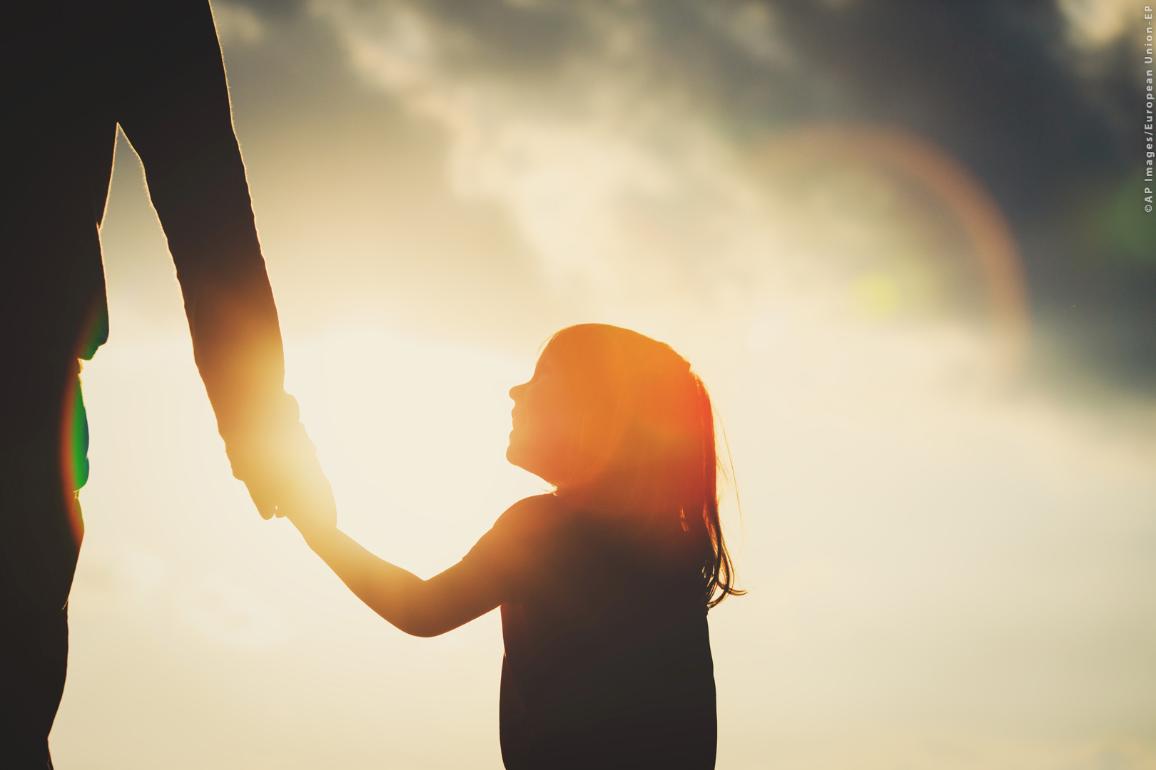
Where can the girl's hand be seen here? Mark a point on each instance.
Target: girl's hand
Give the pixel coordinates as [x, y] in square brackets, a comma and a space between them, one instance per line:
[313, 522]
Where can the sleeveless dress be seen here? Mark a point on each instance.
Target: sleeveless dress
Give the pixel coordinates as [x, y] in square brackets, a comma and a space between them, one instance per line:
[607, 655]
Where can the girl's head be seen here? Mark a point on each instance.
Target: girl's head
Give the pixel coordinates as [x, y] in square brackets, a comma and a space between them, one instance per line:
[620, 421]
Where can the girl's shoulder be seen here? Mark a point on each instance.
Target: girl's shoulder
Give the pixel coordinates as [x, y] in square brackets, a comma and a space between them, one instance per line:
[530, 514]
[547, 501]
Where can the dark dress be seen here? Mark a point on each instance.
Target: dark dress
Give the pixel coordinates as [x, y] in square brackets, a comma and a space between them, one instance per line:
[607, 656]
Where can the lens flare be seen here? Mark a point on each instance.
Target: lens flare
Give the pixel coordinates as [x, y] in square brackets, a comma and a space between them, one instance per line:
[950, 184]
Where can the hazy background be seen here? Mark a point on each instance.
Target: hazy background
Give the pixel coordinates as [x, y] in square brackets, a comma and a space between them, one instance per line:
[903, 244]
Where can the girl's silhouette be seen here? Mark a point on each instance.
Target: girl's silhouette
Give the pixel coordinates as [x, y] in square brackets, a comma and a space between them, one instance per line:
[605, 583]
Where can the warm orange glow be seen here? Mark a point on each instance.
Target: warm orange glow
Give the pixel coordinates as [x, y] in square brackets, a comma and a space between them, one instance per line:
[912, 530]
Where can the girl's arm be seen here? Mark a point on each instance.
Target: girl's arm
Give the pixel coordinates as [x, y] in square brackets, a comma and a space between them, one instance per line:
[418, 607]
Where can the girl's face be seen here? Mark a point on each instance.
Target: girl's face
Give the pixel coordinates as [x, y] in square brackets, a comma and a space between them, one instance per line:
[549, 416]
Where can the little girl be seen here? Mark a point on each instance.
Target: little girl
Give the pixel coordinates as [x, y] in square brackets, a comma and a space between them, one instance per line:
[605, 583]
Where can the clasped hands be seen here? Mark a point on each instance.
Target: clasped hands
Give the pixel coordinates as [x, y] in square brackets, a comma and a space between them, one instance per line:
[284, 478]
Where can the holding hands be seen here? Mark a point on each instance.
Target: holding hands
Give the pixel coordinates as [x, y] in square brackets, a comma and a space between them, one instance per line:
[279, 466]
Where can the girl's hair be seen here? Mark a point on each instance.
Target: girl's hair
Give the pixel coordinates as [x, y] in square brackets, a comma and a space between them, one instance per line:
[647, 443]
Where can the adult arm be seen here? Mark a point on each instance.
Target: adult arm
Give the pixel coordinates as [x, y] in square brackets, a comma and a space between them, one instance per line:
[174, 107]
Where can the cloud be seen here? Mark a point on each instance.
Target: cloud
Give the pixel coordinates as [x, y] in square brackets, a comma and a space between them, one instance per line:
[225, 611]
[238, 24]
[618, 166]
[1097, 24]
[568, 134]
[625, 141]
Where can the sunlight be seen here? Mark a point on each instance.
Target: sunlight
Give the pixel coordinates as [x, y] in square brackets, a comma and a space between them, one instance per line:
[412, 432]
[945, 548]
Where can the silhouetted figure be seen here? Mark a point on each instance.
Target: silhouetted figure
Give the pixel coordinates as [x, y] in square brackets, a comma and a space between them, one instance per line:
[604, 584]
[72, 72]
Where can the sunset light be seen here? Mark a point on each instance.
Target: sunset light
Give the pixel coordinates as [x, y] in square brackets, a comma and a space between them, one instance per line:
[925, 326]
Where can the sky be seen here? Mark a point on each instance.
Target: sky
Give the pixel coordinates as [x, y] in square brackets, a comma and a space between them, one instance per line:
[901, 242]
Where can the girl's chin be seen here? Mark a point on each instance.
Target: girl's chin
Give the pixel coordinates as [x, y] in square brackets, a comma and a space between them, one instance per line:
[518, 456]
[515, 455]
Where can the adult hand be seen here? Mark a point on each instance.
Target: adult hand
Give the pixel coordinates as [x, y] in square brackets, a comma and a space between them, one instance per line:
[283, 476]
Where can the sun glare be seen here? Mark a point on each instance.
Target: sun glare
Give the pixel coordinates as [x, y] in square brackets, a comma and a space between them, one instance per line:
[413, 434]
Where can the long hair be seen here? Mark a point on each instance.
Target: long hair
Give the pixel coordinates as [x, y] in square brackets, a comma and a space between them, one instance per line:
[647, 445]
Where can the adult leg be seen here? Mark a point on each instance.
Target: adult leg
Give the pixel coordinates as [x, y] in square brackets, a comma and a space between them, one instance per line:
[40, 534]
[35, 654]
